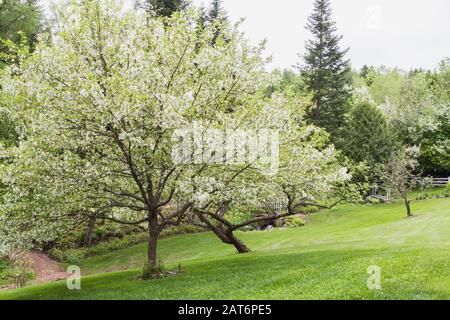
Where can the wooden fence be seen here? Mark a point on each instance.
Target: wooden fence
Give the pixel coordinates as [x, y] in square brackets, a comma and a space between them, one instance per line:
[439, 182]
[272, 205]
[384, 194]
[435, 182]
[379, 192]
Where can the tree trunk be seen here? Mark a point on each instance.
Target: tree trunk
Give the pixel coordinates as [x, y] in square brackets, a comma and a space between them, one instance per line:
[316, 114]
[90, 231]
[408, 206]
[238, 244]
[226, 235]
[153, 234]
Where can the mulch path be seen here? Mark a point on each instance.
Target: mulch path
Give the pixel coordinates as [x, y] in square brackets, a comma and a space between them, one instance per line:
[46, 269]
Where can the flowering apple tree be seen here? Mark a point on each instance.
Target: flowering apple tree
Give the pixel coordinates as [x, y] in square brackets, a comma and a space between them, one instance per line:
[98, 106]
[308, 174]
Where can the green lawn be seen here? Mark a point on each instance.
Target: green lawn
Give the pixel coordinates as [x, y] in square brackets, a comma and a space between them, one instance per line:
[327, 259]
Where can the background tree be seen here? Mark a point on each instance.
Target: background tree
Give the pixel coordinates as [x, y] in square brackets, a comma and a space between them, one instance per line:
[367, 74]
[326, 72]
[291, 84]
[216, 16]
[166, 8]
[369, 138]
[415, 105]
[19, 17]
[399, 174]
[203, 17]
[439, 82]
[216, 11]
[435, 146]
[8, 133]
[20, 22]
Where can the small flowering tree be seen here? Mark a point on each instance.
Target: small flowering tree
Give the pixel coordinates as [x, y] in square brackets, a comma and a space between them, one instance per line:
[400, 174]
[98, 109]
[307, 174]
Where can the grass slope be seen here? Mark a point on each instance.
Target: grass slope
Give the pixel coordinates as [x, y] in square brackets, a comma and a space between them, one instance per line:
[327, 259]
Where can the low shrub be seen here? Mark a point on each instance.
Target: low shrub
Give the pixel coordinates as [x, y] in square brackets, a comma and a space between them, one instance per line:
[310, 209]
[152, 272]
[16, 269]
[434, 193]
[294, 222]
[4, 269]
[17, 276]
[76, 255]
[57, 254]
[102, 232]
[183, 229]
[373, 200]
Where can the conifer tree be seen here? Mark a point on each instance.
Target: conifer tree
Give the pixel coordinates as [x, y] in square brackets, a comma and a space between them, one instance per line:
[203, 17]
[166, 8]
[216, 14]
[216, 11]
[326, 71]
[368, 137]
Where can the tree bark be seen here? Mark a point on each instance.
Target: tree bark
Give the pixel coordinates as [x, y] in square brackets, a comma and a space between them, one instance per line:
[316, 114]
[225, 235]
[408, 206]
[153, 234]
[238, 244]
[90, 231]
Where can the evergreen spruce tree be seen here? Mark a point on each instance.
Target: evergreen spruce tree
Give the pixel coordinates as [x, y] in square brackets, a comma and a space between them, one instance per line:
[216, 11]
[326, 72]
[216, 14]
[367, 73]
[166, 8]
[203, 18]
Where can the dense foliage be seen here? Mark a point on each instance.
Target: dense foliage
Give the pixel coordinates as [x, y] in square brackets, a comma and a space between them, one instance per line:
[18, 18]
[416, 105]
[368, 137]
[166, 8]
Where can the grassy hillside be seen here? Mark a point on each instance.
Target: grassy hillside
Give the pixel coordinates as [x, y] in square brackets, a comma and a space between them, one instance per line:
[327, 259]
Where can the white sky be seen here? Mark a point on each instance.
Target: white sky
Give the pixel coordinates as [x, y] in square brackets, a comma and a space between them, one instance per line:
[403, 33]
